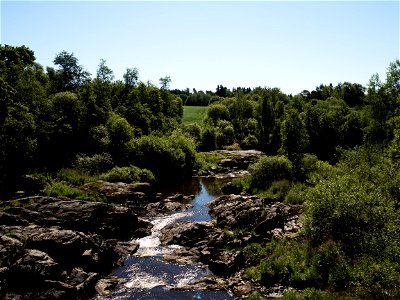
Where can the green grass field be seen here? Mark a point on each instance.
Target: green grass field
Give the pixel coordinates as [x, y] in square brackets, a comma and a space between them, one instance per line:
[194, 114]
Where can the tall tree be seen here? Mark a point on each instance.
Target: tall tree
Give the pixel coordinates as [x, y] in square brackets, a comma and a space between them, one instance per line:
[131, 77]
[294, 137]
[104, 73]
[69, 74]
[165, 82]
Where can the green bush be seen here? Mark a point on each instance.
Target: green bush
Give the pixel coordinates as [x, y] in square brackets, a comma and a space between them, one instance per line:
[60, 189]
[217, 112]
[255, 296]
[120, 133]
[224, 133]
[268, 169]
[376, 279]
[313, 294]
[285, 262]
[194, 130]
[170, 159]
[75, 177]
[99, 138]
[315, 170]
[249, 142]
[128, 175]
[242, 183]
[208, 139]
[95, 164]
[355, 213]
[277, 190]
[205, 161]
[296, 194]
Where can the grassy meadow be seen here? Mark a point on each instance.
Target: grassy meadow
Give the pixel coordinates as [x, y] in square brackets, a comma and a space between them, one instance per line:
[194, 114]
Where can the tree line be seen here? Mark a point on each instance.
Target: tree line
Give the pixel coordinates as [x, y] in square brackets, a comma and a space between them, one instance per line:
[48, 117]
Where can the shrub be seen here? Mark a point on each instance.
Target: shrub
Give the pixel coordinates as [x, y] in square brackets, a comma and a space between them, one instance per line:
[268, 169]
[60, 189]
[94, 164]
[255, 296]
[217, 112]
[277, 190]
[249, 142]
[208, 139]
[355, 213]
[376, 279]
[99, 138]
[242, 183]
[205, 161]
[170, 159]
[313, 294]
[224, 133]
[285, 262]
[74, 177]
[194, 130]
[128, 175]
[296, 194]
[120, 133]
[315, 170]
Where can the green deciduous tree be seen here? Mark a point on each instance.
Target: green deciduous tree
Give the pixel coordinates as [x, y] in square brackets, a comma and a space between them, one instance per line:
[104, 73]
[294, 138]
[69, 74]
[131, 77]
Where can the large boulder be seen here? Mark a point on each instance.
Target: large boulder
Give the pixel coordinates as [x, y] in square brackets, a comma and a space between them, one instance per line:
[235, 211]
[59, 263]
[120, 192]
[256, 215]
[58, 249]
[32, 269]
[10, 219]
[67, 247]
[226, 263]
[189, 234]
[109, 221]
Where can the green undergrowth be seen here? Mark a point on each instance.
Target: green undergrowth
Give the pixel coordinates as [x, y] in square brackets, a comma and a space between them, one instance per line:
[61, 189]
[349, 247]
[128, 175]
[206, 161]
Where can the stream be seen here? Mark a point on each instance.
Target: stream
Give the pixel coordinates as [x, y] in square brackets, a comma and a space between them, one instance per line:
[147, 276]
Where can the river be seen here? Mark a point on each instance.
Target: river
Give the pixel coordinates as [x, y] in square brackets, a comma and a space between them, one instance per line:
[147, 276]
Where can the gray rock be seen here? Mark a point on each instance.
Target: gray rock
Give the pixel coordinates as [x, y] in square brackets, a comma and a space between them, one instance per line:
[10, 219]
[110, 221]
[122, 192]
[106, 285]
[190, 234]
[226, 263]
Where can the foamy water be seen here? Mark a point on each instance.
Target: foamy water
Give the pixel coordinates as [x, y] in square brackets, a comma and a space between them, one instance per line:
[148, 276]
[151, 245]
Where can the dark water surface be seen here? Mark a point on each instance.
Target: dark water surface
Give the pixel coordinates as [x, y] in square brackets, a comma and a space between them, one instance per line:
[147, 275]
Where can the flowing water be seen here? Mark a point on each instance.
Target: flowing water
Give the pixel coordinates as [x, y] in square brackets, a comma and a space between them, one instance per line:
[147, 275]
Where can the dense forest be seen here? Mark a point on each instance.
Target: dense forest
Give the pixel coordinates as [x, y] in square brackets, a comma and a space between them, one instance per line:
[335, 150]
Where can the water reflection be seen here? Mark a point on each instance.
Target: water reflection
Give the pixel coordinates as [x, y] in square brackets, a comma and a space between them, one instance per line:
[193, 187]
[147, 275]
[205, 190]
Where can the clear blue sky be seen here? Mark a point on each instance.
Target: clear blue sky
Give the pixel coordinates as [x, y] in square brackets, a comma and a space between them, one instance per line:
[290, 45]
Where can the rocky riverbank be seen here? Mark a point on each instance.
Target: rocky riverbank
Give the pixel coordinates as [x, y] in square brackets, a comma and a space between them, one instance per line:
[52, 248]
[58, 249]
[238, 220]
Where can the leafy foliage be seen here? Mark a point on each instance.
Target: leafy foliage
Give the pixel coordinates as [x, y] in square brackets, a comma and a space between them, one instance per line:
[268, 169]
[168, 158]
[128, 175]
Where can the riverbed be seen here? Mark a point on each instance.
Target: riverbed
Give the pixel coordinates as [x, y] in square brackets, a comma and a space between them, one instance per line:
[145, 275]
